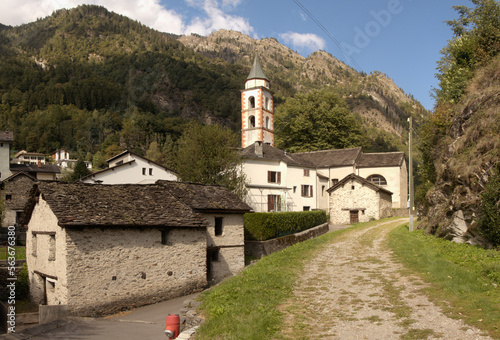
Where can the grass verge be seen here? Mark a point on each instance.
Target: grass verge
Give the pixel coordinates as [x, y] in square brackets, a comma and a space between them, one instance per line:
[20, 252]
[246, 306]
[464, 279]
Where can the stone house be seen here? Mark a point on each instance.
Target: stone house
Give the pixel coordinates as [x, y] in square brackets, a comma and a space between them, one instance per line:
[101, 248]
[130, 168]
[225, 234]
[15, 191]
[355, 199]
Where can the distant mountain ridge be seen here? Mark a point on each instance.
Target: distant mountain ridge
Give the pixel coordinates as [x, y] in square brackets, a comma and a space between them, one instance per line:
[86, 78]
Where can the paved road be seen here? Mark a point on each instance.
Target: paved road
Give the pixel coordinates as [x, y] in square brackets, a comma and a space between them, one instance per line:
[142, 323]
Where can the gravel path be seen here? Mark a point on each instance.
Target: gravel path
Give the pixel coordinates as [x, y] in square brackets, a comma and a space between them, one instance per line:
[354, 289]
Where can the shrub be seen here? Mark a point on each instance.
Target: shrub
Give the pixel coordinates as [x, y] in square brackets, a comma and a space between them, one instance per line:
[265, 226]
[489, 219]
[22, 285]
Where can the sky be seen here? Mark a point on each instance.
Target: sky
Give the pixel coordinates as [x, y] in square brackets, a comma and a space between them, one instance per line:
[400, 38]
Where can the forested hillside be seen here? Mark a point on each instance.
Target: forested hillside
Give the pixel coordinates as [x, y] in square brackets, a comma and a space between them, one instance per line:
[95, 82]
[460, 173]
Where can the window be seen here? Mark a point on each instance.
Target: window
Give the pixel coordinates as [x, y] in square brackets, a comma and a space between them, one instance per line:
[377, 179]
[323, 190]
[267, 122]
[266, 103]
[214, 255]
[306, 208]
[307, 190]
[251, 102]
[294, 189]
[8, 197]
[150, 171]
[164, 236]
[144, 171]
[273, 203]
[251, 121]
[335, 181]
[274, 177]
[52, 247]
[306, 172]
[33, 244]
[218, 226]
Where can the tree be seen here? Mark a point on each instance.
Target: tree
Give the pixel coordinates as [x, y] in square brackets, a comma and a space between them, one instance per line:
[79, 171]
[476, 40]
[207, 154]
[318, 120]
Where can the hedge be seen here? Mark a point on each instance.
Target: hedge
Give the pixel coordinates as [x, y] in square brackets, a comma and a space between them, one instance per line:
[265, 226]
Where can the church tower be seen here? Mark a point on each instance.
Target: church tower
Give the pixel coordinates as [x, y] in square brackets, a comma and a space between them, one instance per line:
[257, 107]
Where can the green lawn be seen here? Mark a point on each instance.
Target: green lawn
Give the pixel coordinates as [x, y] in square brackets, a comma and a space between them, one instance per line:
[466, 277]
[19, 250]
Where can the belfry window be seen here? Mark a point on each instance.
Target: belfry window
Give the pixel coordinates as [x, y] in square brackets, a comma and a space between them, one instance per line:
[251, 121]
[251, 102]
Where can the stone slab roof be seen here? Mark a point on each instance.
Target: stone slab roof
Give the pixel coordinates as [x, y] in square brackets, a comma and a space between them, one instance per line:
[128, 205]
[206, 198]
[330, 158]
[271, 153]
[358, 179]
[30, 168]
[382, 159]
[6, 136]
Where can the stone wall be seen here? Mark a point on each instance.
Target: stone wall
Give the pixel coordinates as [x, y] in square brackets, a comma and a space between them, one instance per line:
[259, 249]
[18, 189]
[114, 269]
[354, 196]
[230, 245]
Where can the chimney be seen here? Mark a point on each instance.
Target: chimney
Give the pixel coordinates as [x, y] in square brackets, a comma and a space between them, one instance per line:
[258, 149]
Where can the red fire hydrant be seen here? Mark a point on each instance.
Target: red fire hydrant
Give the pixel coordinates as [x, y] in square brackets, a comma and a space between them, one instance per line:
[172, 326]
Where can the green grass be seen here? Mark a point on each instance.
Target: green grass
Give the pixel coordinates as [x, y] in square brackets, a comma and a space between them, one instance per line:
[246, 306]
[466, 277]
[20, 253]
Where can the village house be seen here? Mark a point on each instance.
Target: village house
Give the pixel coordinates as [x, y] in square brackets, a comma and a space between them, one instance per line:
[281, 181]
[355, 199]
[6, 139]
[130, 168]
[63, 161]
[15, 191]
[101, 248]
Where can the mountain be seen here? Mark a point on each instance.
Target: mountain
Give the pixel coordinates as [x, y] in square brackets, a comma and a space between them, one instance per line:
[87, 79]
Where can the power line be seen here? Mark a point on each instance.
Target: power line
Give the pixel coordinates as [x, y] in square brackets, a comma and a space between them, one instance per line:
[332, 38]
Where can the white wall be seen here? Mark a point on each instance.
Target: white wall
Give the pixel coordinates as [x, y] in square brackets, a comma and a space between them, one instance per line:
[395, 182]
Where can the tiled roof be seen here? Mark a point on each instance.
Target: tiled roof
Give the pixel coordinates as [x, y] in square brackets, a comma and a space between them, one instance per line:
[330, 158]
[382, 159]
[206, 198]
[6, 136]
[43, 168]
[359, 180]
[78, 204]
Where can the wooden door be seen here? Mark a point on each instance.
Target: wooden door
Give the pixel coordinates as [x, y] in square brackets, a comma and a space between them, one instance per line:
[354, 214]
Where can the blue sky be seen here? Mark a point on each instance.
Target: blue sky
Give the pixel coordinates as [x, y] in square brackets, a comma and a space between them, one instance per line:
[401, 38]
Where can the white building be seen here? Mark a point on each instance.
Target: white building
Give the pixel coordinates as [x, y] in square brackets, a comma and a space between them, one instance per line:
[130, 168]
[281, 181]
[6, 138]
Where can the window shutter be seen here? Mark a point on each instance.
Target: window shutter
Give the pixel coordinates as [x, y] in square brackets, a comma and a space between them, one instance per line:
[269, 177]
[278, 177]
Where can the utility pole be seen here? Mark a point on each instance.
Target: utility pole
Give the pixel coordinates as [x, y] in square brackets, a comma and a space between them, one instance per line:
[410, 176]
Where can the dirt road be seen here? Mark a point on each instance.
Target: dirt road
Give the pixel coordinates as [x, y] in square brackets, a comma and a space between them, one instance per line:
[354, 289]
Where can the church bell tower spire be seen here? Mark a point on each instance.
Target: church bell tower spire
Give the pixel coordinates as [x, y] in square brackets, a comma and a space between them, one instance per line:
[257, 108]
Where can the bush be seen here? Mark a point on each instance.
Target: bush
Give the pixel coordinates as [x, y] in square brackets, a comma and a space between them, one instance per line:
[265, 226]
[22, 285]
[489, 219]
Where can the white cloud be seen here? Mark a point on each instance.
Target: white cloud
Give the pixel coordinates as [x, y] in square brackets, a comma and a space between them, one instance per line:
[304, 40]
[216, 19]
[148, 12]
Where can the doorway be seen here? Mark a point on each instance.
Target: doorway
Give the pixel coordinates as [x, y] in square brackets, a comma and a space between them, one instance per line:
[354, 216]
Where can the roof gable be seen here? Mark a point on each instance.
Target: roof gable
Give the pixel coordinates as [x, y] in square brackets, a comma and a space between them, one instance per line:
[358, 179]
